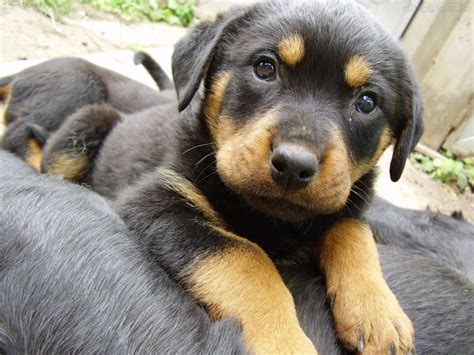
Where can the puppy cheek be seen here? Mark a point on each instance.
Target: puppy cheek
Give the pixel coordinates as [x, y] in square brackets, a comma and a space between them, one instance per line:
[332, 184]
[243, 154]
[363, 166]
[242, 161]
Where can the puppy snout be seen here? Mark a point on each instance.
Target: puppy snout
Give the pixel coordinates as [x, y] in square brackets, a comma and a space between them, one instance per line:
[292, 166]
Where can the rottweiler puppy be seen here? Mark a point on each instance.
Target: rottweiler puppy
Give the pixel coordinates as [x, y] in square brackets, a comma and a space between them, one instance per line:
[285, 107]
[71, 150]
[40, 98]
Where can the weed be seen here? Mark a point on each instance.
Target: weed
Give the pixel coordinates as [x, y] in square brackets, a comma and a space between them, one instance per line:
[457, 172]
[53, 8]
[174, 12]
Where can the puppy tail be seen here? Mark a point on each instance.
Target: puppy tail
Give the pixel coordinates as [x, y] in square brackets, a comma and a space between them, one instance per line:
[156, 72]
[5, 87]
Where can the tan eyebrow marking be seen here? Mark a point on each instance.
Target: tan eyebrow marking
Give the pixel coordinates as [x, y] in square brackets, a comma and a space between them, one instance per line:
[291, 49]
[357, 71]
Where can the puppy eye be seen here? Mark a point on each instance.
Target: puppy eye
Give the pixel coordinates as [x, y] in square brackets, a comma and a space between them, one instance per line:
[265, 69]
[365, 103]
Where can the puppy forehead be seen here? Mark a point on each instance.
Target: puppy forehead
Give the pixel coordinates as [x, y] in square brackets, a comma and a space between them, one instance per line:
[299, 30]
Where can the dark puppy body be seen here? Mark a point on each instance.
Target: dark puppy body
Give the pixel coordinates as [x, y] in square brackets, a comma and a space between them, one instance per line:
[274, 158]
[72, 280]
[46, 94]
[425, 233]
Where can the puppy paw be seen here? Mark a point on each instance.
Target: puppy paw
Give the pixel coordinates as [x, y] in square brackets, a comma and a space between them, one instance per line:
[370, 320]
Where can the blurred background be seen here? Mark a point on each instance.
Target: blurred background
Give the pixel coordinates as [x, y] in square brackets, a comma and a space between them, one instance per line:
[437, 36]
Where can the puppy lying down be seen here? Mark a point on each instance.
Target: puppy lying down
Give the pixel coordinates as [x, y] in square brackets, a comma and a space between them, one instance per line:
[73, 280]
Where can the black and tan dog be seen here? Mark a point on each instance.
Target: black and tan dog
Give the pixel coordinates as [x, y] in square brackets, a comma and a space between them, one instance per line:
[39, 99]
[272, 161]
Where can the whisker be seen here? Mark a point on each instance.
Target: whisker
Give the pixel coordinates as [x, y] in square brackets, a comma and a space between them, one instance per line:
[196, 146]
[213, 172]
[204, 158]
[361, 190]
[362, 197]
[203, 170]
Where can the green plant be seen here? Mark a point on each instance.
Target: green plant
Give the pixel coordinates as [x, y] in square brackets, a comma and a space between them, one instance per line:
[53, 8]
[175, 12]
[458, 172]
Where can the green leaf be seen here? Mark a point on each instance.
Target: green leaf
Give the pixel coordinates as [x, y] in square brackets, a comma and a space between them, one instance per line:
[462, 181]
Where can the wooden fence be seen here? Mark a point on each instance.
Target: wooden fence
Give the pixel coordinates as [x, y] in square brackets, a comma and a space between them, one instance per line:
[439, 41]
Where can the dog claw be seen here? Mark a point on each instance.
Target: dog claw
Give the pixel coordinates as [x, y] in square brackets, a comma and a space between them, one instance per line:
[361, 344]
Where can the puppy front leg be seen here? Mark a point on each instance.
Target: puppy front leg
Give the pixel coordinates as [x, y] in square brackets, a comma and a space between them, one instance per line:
[366, 312]
[229, 275]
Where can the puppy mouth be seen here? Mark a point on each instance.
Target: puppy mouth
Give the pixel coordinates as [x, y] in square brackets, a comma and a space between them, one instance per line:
[282, 208]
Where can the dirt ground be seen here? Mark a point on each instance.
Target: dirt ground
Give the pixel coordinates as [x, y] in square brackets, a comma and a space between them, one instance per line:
[28, 34]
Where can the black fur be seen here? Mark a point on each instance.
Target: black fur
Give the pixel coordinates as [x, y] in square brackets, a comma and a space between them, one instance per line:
[73, 280]
[46, 94]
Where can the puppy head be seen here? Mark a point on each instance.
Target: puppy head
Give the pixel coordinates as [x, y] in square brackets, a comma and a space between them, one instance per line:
[300, 99]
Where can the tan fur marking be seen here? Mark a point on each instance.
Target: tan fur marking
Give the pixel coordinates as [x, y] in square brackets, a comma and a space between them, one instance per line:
[71, 167]
[359, 169]
[242, 282]
[34, 154]
[357, 71]
[214, 101]
[5, 94]
[5, 91]
[363, 303]
[194, 198]
[291, 49]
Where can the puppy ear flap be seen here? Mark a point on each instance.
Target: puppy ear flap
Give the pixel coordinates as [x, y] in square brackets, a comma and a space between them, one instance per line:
[410, 132]
[194, 53]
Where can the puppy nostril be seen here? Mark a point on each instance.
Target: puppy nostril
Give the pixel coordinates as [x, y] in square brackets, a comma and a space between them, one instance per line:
[305, 174]
[279, 165]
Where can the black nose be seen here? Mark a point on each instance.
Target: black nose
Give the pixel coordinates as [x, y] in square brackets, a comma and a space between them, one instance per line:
[293, 167]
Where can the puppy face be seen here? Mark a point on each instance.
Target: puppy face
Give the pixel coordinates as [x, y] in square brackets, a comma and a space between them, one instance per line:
[300, 101]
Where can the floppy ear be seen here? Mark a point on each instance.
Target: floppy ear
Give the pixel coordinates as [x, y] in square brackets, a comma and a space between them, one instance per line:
[410, 131]
[194, 53]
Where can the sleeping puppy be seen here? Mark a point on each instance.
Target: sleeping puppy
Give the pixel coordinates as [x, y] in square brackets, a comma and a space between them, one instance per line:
[40, 98]
[71, 150]
[272, 161]
[71, 266]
